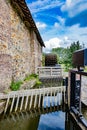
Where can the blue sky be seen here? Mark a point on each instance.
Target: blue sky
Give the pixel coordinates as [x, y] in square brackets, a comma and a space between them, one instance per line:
[60, 22]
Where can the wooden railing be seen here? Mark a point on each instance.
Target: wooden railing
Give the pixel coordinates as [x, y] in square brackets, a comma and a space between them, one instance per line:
[49, 71]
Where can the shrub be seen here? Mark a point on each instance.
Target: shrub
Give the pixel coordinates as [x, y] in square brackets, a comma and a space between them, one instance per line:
[32, 76]
[38, 83]
[15, 85]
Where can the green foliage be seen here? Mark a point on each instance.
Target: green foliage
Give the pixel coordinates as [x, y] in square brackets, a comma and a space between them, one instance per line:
[65, 54]
[34, 75]
[68, 60]
[29, 77]
[61, 53]
[15, 85]
[38, 83]
[43, 59]
[85, 69]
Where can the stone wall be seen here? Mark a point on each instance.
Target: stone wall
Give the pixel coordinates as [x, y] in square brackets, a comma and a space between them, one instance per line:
[38, 53]
[20, 47]
[25, 46]
[18, 42]
[5, 28]
[5, 71]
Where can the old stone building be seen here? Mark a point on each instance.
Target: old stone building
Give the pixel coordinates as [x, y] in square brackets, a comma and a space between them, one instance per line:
[20, 42]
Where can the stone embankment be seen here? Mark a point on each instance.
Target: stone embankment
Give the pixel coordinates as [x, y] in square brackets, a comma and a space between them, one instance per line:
[28, 84]
[84, 90]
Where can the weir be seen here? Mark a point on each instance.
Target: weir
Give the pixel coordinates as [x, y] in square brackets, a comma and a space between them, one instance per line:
[34, 98]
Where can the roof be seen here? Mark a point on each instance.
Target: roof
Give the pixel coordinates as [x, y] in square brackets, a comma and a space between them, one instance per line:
[25, 14]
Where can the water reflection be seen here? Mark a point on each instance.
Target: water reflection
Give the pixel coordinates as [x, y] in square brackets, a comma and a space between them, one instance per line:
[52, 121]
[20, 121]
[46, 119]
[34, 120]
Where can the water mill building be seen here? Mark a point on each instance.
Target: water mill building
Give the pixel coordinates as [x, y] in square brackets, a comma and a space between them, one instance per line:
[20, 42]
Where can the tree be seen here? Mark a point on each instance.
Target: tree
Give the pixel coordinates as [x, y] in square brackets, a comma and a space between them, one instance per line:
[69, 53]
[65, 54]
[60, 51]
[43, 59]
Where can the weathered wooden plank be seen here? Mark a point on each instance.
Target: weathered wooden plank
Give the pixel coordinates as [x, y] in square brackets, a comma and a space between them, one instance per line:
[31, 100]
[26, 102]
[35, 100]
[12, 103]
[39, 100]
[7, 104]
[17, 103]
[22, 102]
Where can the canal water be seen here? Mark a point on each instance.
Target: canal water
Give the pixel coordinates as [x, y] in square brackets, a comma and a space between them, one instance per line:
[34, 121]
[46, 119]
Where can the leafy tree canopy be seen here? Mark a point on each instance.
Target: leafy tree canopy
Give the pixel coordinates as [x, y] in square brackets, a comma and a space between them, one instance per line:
[65, 54]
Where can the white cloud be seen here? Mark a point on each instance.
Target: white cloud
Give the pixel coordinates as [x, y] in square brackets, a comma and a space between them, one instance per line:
[56, 25]
[68, 2]
[57, 42]
[40, 5]
[52, 43]
[61, 20]
[77, 33]
[49, 120]
[60, 23]
[40, 25]
[74, 7]
[68, 36]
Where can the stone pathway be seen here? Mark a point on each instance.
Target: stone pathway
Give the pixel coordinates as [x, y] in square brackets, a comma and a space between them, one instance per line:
[84, 90]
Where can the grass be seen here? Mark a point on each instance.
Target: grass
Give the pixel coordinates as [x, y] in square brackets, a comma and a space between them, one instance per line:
[38, 83]
[33, 76]
[16, 85]
[85, 69]
[30, 77]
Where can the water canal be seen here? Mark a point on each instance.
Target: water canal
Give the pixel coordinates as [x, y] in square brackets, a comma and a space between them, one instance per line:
[51, 118]
[34, 121]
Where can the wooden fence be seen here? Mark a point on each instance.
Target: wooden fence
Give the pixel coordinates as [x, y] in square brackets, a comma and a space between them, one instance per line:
[49, 71]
